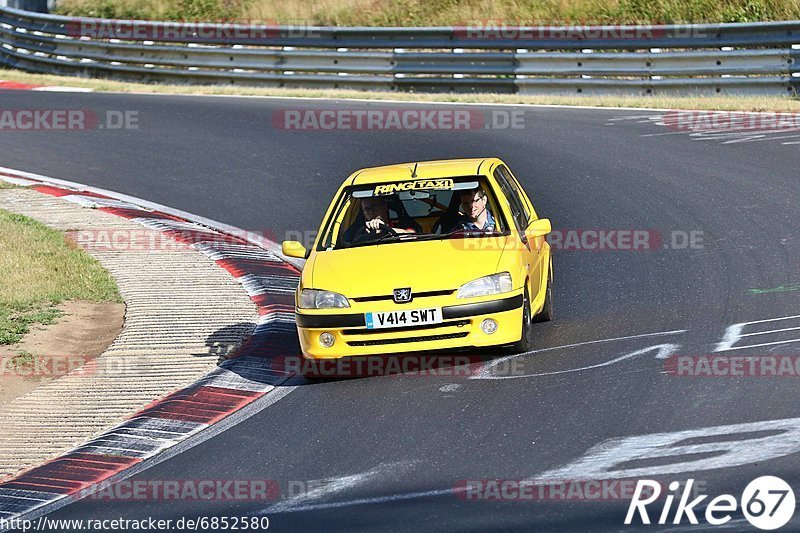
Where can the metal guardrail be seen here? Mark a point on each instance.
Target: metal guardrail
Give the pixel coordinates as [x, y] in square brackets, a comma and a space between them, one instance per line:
[680, 60]
[40, 6]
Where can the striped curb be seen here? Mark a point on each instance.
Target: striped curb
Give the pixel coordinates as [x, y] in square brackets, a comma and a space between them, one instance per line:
[16, 86]
[236, 383]
[19, 86]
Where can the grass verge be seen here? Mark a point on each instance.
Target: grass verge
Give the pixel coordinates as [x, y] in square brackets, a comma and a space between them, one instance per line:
[723, 103]
[439, 12]
[39, 271]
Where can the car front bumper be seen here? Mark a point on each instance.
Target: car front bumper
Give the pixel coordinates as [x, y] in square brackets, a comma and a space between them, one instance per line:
[461, 328]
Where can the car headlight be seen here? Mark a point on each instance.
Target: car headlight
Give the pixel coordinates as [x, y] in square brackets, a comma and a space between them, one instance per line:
[316, 299]
[494, 284]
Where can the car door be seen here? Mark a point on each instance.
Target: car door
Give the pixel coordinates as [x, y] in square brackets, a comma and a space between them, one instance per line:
[523, 214]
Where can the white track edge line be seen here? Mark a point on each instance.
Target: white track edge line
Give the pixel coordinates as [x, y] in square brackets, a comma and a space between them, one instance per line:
[405, 102]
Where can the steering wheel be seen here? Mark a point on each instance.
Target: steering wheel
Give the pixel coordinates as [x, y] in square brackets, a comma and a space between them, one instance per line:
[363, 235]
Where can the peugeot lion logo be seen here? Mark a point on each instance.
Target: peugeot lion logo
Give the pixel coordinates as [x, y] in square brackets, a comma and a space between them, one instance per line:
[402, 296]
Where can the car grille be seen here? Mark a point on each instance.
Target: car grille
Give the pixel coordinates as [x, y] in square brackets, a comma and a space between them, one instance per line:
[391, 297]
[378, 342]
[365, 331]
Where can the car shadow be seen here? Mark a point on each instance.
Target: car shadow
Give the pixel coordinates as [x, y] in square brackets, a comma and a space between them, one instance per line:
[269, 353]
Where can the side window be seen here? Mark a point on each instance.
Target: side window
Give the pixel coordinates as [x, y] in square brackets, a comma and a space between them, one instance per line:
[518, 210]
[519, 194]
[332, 225]
[340, 224]
[526, 202]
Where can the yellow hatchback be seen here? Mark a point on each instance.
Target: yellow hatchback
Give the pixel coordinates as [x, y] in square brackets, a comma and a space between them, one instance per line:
[424, 256]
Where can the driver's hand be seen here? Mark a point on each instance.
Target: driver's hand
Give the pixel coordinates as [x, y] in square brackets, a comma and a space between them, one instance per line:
[375, 224]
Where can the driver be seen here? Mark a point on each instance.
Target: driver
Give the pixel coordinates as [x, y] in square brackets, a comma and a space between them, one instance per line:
[376, 214]
[476, 214]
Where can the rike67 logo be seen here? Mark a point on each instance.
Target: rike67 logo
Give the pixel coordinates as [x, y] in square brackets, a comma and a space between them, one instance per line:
[767, 503]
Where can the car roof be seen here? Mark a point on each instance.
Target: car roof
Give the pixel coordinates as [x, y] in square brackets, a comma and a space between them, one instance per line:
[445, 168]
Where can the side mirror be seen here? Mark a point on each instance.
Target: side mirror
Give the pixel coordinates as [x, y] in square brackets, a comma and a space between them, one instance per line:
[538, 228]
[293, 249]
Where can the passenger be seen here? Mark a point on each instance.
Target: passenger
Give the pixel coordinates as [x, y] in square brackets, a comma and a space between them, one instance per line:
[476, 213]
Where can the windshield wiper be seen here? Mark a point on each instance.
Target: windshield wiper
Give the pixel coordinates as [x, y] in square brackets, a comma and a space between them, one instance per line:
[392, 235]
[389, 237]
[465, 232]
[382, 238]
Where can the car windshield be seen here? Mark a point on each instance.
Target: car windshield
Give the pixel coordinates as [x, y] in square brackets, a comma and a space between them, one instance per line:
[422, 209]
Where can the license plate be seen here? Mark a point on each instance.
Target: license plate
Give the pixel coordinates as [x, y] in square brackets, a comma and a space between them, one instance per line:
[399, 319]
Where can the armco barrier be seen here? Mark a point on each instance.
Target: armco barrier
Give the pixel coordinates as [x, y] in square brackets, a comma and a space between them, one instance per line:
[756, 58]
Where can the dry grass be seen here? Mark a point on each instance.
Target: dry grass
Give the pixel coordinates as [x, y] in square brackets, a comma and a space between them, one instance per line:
[40, 270]
[724, 103]
[440, 12]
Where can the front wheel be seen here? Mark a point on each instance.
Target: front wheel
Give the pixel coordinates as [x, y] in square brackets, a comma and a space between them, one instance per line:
[524, 343]
[546, 314]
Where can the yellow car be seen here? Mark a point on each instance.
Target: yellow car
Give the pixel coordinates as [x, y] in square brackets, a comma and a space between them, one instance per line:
[424, 256]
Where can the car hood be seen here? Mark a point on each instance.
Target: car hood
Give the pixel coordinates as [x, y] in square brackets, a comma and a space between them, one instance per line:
[424, 266]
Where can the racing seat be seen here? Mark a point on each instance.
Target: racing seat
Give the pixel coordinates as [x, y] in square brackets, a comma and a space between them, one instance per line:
[448, 221]
[403, 219]
[350, 232]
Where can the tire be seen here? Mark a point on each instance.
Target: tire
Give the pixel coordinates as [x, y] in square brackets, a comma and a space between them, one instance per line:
[546, 314]
[524, 343]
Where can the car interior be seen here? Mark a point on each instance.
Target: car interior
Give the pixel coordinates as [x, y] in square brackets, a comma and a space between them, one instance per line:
[435, 211]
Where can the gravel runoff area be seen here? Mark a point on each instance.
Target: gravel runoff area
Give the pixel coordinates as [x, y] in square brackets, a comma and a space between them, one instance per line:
[181, 307]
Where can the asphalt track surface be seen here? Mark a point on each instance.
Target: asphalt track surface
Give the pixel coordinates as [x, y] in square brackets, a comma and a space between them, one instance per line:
[398, 445]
